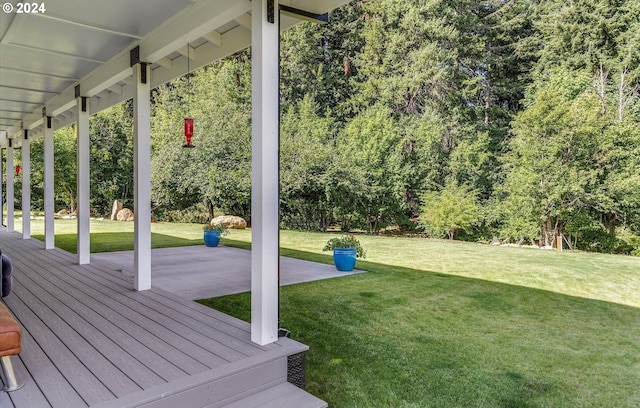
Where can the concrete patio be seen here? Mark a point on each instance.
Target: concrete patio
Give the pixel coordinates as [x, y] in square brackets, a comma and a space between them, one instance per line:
[90, 340]
[199, 272]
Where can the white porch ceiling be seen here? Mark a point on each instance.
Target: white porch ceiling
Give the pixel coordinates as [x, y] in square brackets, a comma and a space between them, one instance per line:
[44, 56]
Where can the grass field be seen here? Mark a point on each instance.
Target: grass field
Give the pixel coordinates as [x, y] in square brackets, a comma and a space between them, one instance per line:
[441, 324]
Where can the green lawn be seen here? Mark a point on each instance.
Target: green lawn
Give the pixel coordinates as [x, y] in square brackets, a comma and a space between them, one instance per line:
[441, 324]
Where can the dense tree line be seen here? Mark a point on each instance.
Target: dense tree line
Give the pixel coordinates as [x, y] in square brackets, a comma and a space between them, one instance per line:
[515, 119]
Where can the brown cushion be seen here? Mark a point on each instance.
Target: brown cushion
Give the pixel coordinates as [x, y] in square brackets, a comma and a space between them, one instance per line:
[10, 333]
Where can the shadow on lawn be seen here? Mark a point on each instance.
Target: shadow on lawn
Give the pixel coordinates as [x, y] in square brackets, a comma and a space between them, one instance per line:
[118, 241]
[399, 337]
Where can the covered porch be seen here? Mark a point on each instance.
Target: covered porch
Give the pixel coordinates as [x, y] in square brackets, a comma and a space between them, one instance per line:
[89, 339]
[70, 59]
[91, 336]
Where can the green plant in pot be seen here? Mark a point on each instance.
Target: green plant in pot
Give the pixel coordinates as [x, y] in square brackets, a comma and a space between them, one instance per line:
[212, 234]
[345, 251]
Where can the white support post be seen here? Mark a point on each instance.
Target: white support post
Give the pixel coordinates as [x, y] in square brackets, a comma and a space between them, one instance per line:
[49, 237]
[82, 212]
[265, 172]
[142, 177]
[10, 190]
[26, 186]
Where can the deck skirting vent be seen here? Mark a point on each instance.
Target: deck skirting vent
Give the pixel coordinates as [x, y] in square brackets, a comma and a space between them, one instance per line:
[296, 370]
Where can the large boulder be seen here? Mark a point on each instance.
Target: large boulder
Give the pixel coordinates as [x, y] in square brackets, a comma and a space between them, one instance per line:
[230, 221]
[125, 215]
[117, 206]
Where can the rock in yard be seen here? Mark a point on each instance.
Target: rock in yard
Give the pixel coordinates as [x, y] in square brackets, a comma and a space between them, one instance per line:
[230, 221]
[125, 215]
[117, 206]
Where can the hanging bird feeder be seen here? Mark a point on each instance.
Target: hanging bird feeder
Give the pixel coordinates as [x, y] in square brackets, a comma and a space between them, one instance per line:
[188, 132]
[188, 122]
[18, 168]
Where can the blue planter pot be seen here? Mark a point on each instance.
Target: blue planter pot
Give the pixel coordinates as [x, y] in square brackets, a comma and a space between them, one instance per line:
[211, 238]
[344, 259]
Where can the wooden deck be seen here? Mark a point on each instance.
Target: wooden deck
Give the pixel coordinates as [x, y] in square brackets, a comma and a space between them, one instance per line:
[90, 340]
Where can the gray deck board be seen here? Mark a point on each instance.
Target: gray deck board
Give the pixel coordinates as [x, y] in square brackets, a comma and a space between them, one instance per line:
[87, 386]
[282, 395]
[44, 383]
[106, 308]
[73, 321]
[5, 401]
[159, 311]
[109, 299]
[230, 330]
[89, 339]
[231, 325]
[114, 328]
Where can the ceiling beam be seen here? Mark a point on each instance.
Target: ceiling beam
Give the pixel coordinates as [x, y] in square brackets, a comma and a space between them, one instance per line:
[304, 14]
[244, 20]
[199, 20]
[116, 88]
[214, 38]
[232, 41]
[196, 22]
[14, 130]
[165, 62]
[115, 71]
[187, 51]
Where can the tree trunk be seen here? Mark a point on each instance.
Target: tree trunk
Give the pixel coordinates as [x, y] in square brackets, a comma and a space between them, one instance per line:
[625, 95]
[72, 201]
[210, 208]
[602, 82]
[611, 223]
[621, 101]
[487, 101]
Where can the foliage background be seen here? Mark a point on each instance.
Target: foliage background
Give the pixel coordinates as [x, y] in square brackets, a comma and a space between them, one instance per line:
[454, 118]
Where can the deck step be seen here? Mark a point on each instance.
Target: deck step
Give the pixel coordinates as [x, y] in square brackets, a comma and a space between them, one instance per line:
[280, 396]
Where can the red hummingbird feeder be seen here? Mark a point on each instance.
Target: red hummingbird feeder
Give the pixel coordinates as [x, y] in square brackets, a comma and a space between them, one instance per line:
[18, 168]
[188, 122]
[188, 132]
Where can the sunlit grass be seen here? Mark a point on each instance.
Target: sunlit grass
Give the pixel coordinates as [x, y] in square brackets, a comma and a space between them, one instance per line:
[611, 278]
[398, 337]
[447, 324]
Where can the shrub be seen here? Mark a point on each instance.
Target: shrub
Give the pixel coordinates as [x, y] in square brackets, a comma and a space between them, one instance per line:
[345, 241]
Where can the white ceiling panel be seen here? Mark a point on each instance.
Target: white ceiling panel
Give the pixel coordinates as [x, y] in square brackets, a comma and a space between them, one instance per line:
[43, 57]
[53, 36]
[24, 59]
[134, 17]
